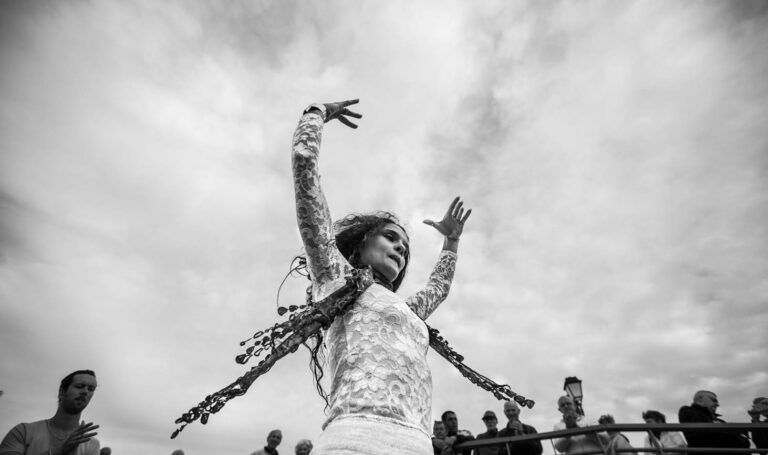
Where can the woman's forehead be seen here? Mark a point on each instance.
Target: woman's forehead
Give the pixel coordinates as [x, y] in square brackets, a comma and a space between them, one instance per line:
[396, 228]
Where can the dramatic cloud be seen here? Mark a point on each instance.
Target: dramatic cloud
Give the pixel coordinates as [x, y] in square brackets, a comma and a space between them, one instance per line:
[613, 153]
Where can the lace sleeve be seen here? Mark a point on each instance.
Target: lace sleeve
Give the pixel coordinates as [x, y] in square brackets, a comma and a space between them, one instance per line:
[424, 302]
[327, 266]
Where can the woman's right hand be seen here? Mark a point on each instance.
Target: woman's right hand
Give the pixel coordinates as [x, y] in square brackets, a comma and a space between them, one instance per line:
[339, 111]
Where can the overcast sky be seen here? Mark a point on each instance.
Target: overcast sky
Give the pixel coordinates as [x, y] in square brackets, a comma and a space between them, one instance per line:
[614, 154]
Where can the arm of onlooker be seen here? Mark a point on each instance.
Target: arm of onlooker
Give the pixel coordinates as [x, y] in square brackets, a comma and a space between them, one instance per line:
[448, 447]
[676, 439]
[622, 442]
[13, 442]
[464, 437]
[561, 444]
[600, 438]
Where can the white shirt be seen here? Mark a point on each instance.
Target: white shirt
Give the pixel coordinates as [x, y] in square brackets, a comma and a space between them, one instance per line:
[578, 443]
[668, 439]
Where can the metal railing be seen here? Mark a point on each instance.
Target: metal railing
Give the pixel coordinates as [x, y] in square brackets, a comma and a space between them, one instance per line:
[628, 427]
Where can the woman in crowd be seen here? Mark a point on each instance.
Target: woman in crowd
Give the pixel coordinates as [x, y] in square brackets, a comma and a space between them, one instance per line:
[616, 440]
[662, 439]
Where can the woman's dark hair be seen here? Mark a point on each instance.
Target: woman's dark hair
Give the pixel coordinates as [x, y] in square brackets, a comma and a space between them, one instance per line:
[67, 381]
[444, 415]
[655, 415]
[350, 234]
[353, 230]
[606, 419]
[658, 417]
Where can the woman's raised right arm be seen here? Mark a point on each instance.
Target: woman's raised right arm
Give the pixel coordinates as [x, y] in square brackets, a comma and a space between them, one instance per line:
[314, 218]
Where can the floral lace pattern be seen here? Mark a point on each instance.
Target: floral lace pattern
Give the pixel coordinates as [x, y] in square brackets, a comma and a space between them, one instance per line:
[326, 265]
[377, 350]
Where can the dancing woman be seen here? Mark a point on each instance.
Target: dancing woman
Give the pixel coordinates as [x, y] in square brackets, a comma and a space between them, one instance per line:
[381, 387]
[375, 341]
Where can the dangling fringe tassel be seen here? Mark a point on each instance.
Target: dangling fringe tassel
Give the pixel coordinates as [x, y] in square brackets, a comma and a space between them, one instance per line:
[502, 392]
[294, 332]
[300, 326]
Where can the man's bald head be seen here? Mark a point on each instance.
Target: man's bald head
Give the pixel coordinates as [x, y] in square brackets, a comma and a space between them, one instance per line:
[706, 399]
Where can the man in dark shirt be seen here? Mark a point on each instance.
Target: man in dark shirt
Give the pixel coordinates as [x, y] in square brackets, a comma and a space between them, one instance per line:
[702, 410]
[490, 421]
[515, 427]
[452, 425]
[759, 408]
[274, 438]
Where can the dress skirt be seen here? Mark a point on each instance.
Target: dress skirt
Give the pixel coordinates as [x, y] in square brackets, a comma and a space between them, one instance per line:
[370, 436]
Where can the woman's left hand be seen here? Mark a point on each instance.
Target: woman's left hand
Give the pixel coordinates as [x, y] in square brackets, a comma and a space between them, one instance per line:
[339, 111]
[452, 224]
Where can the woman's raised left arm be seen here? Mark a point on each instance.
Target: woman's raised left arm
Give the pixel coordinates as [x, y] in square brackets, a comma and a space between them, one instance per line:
[424, 302]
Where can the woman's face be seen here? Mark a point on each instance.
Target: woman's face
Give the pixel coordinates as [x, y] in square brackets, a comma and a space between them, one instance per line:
[303, 449]
[385, 251]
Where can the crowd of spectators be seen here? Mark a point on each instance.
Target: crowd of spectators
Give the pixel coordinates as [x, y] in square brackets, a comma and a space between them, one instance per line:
[66, 434]
[703, 409]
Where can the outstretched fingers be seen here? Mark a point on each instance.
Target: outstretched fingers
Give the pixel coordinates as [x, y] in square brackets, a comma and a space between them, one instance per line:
[458, 210]
[83, 438]
[339, 111]
[453, 204]
[466, 215]
[84, 433]
[84, 427]
[345, 121]
[346, 111]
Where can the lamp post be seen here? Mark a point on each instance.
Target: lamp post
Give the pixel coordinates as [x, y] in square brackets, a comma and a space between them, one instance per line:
[572, 387]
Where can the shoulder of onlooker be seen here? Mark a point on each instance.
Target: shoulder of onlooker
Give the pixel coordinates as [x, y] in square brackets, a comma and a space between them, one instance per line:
[29, 427]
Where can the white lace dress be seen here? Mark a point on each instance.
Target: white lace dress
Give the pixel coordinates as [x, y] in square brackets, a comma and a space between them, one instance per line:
[381, 389]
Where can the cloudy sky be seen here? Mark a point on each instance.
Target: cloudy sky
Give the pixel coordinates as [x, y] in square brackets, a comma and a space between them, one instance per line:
[615, 156]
